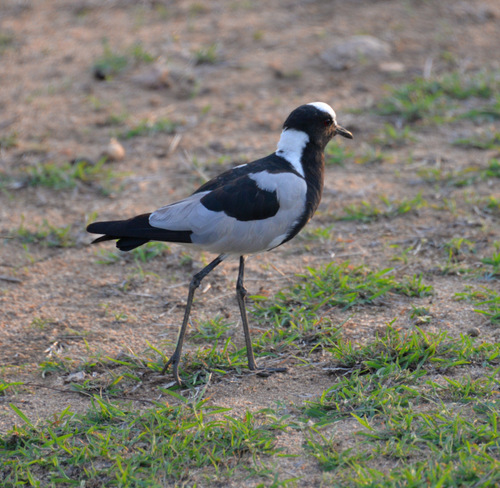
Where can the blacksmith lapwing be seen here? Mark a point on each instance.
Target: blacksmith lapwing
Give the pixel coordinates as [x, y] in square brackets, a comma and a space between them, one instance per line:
[251, 208]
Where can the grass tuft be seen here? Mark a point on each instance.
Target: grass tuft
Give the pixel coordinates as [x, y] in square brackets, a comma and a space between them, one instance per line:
[336, 285]
[486, 298]
[368, 212]
[413, 350]
[113, 446]
[427, 99]
[46, 235]
[433, 429]
[111, 63]
[336, 155]
[149, 128]
[68, 175]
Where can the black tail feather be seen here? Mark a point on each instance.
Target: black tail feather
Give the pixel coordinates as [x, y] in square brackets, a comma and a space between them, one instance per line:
[102, 239]
[129, 243]
[135, 232]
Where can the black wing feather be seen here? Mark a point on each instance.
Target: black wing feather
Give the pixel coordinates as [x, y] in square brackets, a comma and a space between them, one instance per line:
[237, 195]
[243, 200]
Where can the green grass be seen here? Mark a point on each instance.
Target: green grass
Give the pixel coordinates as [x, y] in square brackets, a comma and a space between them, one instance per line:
[462, 177]
[206, 54]
[461, 451]
[487, 299]
[111, 63]
[218, 357]
[112, 445]
[337, 155]
[486, 141]
[491, 205]
[421, 315]
[125, 372]
[487, 113]
[149, 128]
[394, 137]
[143, 254]
[8, 141]
[429, 430]
[492, 170]
[465, 389]
[441, 428]
[368, 212]
[371, 155]
[494, 260]
[320, 233]
[334, 285]
[435, 99]
[458, 247]
[139, 54]
[7, 40]
[46, 235]
[211, 330]
[412, 350]
[67, 176]
[56, 364]
[365, 395]
[150, 251]
[8, 386]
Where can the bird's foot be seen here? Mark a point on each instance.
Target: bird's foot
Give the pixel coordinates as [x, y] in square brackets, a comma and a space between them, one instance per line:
[266, 372]
[174, 362]
[263, 372]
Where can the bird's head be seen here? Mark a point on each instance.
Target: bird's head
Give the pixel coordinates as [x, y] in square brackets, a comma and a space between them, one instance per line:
[318, 120]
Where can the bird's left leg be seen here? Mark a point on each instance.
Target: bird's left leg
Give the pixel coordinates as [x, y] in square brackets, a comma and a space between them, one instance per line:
[195, 283]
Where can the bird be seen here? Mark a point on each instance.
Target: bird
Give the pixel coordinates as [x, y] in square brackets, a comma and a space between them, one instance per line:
[251, 208]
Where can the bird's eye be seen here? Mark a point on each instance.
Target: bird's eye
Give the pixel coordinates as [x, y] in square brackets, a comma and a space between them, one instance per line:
[328, 122]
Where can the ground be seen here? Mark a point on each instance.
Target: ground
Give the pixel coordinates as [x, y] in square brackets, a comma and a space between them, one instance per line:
[190, 89]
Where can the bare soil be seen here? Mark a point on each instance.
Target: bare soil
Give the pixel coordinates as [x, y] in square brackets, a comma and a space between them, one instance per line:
[265, 60]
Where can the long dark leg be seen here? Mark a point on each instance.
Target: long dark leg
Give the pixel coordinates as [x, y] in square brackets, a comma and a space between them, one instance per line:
[195, 283]
[240, 295]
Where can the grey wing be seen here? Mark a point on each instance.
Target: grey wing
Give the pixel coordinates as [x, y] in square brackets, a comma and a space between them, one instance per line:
[221, 231]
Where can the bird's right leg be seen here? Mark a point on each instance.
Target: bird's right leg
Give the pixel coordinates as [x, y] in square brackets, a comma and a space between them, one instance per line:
[195, 283]
[241, 293]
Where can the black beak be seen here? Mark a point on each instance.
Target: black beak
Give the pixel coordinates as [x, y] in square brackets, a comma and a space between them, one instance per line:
[343, 132]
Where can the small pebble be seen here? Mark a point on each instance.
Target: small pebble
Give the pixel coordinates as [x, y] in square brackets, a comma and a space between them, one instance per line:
[114, 151]
[474, 332]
